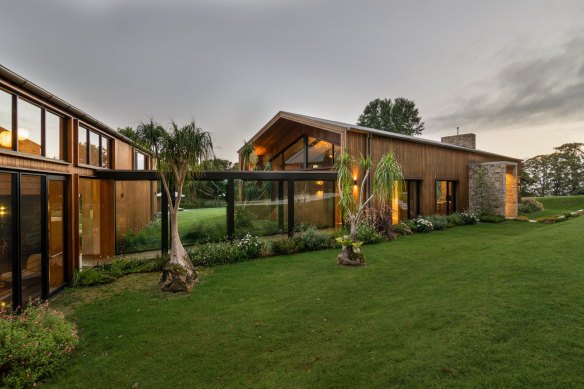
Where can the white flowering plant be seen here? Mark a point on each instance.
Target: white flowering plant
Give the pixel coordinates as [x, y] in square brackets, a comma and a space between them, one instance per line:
[422, 225]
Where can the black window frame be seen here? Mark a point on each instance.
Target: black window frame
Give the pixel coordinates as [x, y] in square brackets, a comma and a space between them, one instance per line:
[102, 137]
[305, 162]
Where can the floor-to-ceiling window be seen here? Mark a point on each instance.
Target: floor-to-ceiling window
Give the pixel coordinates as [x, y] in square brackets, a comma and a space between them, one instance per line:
[6, 238]
[306, 153]
[409, 199]
[445, 197]
[89, 222]
[56, 220]
[31, 236]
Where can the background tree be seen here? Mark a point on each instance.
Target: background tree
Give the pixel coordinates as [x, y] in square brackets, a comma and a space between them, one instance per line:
[399, 116]
[129, 133]
[180, 153]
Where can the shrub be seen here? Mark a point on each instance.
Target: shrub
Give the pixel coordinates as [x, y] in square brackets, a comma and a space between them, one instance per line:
[521, 219]
[439, 222]
[312, 239]
[119, 267]
[551, 219]
[250, 245]
[402, 229]
[212, 254]
[367, 233]
[455, 219]
[380, 221]
[491, 219]
[577, 192]
[33, 345]
[469, 218]
[284, 245]
[529, 204]
[422, 225]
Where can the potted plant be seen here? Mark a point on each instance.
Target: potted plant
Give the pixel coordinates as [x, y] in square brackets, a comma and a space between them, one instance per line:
[386, 178]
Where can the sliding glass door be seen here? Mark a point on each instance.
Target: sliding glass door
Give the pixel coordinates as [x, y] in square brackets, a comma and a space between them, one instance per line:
[445, 197]
[32, 236]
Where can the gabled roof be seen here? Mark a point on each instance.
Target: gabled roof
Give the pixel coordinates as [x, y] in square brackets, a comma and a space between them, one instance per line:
[335, 126]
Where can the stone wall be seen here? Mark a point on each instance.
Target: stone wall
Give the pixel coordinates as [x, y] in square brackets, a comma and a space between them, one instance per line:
[498, 192]
[465, 140]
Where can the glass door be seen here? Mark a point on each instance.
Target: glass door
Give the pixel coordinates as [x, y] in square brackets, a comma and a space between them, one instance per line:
[6, 238]
[445, 197]
[56, 221]
[32, 217]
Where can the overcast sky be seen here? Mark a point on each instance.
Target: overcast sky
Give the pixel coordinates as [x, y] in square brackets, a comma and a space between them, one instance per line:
[511, 71]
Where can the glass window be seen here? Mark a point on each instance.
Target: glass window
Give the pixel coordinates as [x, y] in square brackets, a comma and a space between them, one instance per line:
[82, 145]
[294, 156]
[29, 128]
[90, 212]
[94, 149]
[5, 120]
[140, 161]
[56, 232]
[320, 154]
[6, 240]
[314, 204]
[261, 207]
[53, 136]
[445, 197]
[30, 237]
[105, 158]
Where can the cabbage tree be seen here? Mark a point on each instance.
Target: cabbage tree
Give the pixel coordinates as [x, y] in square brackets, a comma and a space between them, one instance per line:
[387, 176]
[179, 153]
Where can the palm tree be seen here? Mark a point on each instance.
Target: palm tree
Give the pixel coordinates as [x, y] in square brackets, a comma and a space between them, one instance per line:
[388, 176]
[179, 153]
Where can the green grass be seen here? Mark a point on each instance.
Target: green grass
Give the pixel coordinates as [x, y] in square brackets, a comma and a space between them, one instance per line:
[556, 206]
[490, 305]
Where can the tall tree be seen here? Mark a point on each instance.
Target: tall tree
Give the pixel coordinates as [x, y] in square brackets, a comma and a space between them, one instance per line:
[399, 116]
[129, 133]
[180, 152]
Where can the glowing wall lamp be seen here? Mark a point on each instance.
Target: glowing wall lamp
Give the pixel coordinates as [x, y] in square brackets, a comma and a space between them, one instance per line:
[6, 139]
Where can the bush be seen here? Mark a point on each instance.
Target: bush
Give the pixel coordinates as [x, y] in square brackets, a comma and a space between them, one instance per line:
[367, 233]
[529, 204]
[402, 229]
[250, 246]
[455, 219]
[422, 225]
[578, 192]
[439, 222]
[380, 221]
[469, 218]
[33, 345]
[119, 267]
[491, 219]
[521, 219]
[551, 219]
[212, 254]
[312, 239]
[308, 240]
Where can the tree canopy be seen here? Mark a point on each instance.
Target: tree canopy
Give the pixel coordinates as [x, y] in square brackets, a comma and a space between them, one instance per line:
[556, 174]
[400, 115]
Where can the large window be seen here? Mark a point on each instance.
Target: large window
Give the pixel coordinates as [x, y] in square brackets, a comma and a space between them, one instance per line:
[98, 153]
[445, 197]
[306, 153]
[409, 200]
[29, 128]
[5, 120]
[31, 241]
[6, 239]
[53, 136]
[35, 135]
[139, 161]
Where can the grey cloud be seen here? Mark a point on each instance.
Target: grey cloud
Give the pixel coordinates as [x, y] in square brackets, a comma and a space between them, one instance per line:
[543, 89]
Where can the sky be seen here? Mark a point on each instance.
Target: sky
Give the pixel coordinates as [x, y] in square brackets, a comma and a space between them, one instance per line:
[511, 72]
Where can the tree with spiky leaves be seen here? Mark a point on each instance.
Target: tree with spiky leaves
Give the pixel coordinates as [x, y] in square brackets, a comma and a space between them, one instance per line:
[180, 153]
[388, 175]
[400, 116]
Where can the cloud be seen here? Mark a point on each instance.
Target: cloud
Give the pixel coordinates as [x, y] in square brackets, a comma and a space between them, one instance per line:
[541, 89]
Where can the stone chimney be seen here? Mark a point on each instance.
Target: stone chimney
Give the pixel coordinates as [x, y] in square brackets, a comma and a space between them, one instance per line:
[465, 140]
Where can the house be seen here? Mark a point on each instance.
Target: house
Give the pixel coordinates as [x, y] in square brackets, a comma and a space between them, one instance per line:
[56, 215]
[440, 177]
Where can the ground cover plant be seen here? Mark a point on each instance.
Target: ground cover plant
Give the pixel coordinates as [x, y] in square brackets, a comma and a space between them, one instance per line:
[486, 305]
[559, 205]
[33, 345]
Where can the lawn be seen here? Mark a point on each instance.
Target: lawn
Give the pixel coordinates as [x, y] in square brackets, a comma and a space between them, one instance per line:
[490, 305]
[556, 206]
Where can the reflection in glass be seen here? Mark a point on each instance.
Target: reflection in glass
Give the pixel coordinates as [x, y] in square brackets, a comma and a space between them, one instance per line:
[104, 152]
[314, 204]
[30, 237]
[408, 199]
[29, 128]
[320, 154]
[53, 136]
[6, 240]
[55, 218]
[445, 197]
[140, 161]
[294, 156]
[204, 218]
[82, 138]
[138, 227]
[5, 120]
[94, 149]
[261, 208]
[89, 222]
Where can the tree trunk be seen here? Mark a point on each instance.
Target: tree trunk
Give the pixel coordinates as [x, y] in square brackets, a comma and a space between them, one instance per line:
[351, 256]
[179, 274]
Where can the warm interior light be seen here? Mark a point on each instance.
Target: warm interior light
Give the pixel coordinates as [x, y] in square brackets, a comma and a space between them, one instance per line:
[6, 139]
[395, 204]
[23, 134]
[319, 183]
[320, 193]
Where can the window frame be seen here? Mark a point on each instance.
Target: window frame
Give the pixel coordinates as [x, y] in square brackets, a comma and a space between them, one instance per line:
[305, 162]
[101, 137]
